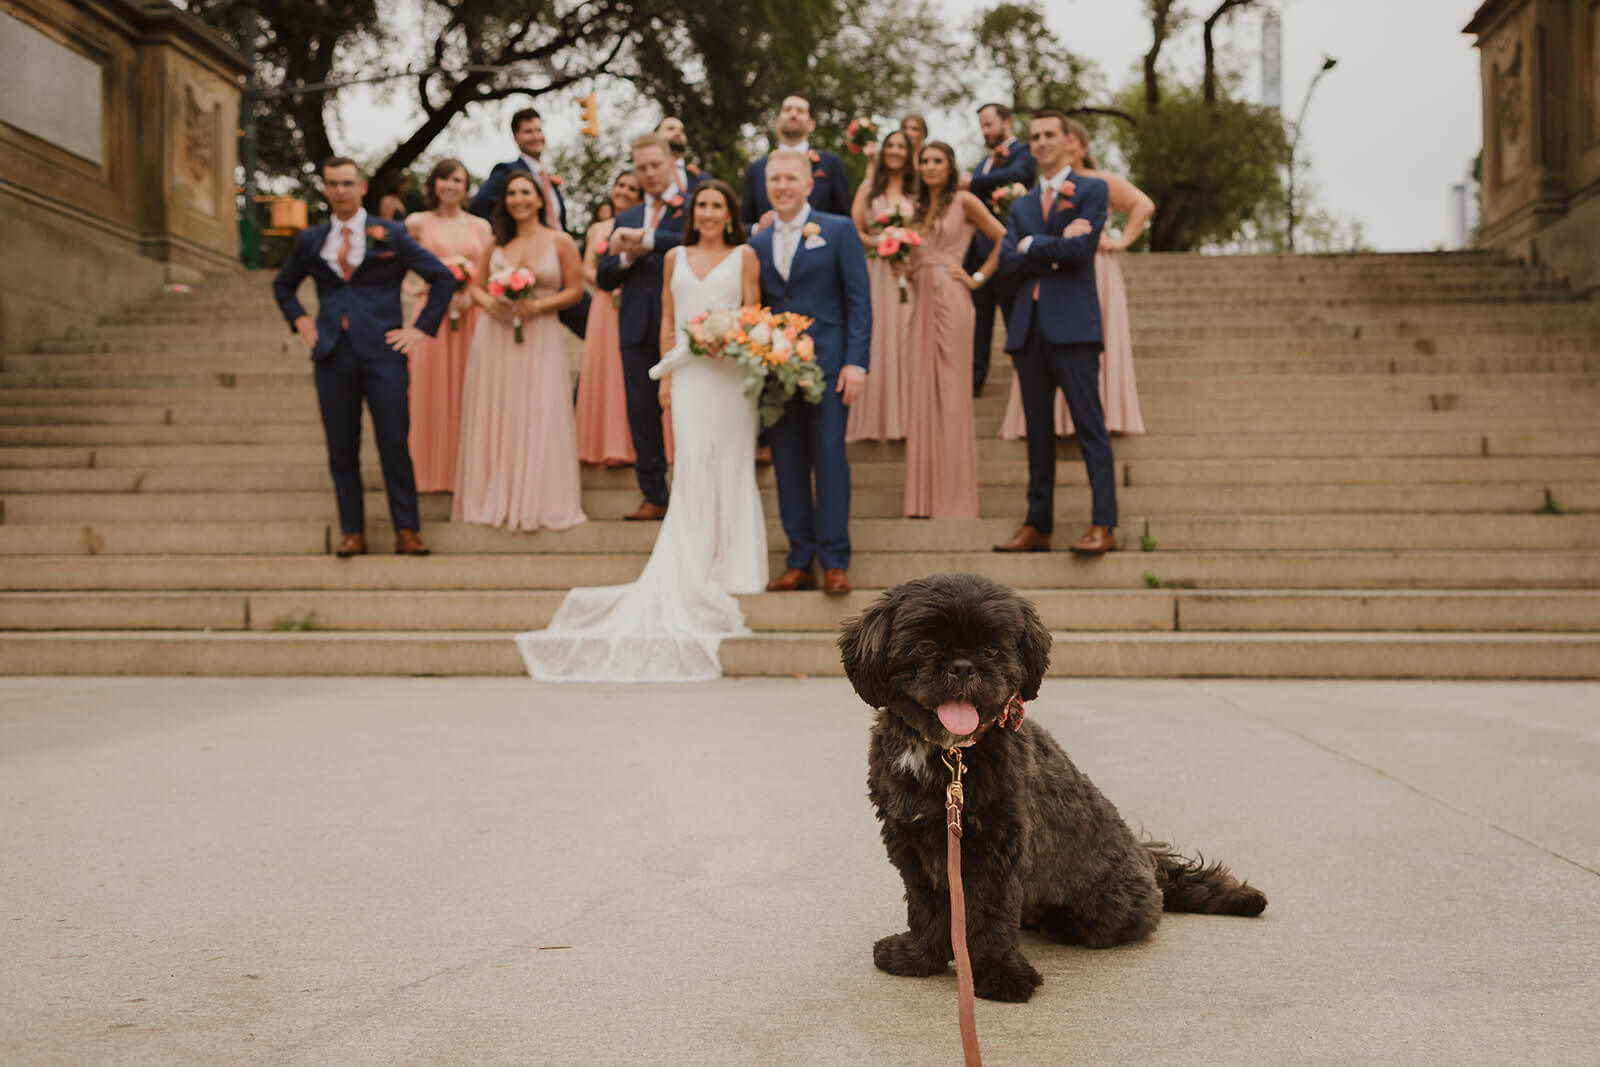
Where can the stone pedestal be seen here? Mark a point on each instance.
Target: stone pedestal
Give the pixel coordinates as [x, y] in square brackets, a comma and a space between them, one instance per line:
[1540, 68]
[117, 157]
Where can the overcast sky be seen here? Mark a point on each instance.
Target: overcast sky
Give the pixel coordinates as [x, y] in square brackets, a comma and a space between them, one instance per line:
[1389, 130]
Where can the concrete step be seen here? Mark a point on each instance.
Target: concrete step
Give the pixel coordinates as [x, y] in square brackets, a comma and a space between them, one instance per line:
[1249, 533]
[865, 503]
[1415, 568]
[1104, 655]
[1252, 611]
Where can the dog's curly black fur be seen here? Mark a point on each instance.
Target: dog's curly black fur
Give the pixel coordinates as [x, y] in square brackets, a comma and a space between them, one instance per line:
[1042, 848]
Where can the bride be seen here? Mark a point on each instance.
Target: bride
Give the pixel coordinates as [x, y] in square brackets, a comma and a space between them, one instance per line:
[667, 625]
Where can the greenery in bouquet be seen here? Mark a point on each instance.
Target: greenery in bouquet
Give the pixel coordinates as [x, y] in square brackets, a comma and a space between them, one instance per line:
[778, 356]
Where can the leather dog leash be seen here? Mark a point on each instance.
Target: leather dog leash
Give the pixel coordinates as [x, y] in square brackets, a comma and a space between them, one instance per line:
[953, 799]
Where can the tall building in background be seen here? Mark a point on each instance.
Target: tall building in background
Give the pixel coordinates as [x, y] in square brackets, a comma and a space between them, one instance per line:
[1271, 61]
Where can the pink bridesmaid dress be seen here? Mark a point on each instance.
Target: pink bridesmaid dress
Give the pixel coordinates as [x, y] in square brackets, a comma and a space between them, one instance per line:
[518, 466]
[438, 367]
[603, 436]
[1119, 394]
[941, 446]
[880, 413]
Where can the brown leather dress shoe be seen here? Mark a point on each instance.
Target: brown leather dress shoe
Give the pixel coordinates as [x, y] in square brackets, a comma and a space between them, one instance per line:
[353, 545]
[647, 512]
[835, 582]
[1026, 539]
[407, 543]
[1096, 540]
[792, 579]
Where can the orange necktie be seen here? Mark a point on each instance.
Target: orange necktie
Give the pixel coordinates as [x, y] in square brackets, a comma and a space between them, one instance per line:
[655, 214]
[344, 253]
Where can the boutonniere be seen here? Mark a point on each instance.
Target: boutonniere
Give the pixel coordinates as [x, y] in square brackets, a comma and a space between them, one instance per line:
[814, 156]
[376, 235]
[693, 170]
[674, 203]
[553, 179]
[1001, 153]
[813, 235]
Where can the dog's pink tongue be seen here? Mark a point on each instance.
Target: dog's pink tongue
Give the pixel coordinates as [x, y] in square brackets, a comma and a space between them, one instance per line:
[958, 717]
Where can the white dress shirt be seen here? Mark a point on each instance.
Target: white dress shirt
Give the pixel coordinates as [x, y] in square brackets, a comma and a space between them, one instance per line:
[358, 241]
[786, 239]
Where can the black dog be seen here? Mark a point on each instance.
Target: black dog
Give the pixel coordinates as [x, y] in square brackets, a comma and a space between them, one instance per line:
[941, 659]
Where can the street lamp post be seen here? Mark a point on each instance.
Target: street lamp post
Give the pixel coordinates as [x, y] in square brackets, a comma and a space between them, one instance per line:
[1328, 63]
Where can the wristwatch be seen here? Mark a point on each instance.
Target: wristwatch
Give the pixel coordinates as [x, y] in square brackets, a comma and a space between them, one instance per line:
[978, 276]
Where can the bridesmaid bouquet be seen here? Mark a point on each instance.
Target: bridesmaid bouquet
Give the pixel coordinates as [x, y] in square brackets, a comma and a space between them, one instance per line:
[859, 134]
[1002, 198]
[513, 283]
[465, 272]
[778, 357]
[895, 245]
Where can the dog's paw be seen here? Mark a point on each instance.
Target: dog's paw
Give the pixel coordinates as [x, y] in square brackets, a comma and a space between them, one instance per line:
[1011, 983]
[903, 955]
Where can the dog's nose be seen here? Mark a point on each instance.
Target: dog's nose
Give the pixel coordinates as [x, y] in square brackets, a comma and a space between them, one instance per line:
[963, 669]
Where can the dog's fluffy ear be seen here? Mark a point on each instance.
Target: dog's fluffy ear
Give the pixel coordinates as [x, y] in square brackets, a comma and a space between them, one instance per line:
[864, 648]
[1033, 650]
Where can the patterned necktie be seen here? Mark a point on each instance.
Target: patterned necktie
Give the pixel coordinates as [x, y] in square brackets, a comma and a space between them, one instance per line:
[345, 270]
[787, 232]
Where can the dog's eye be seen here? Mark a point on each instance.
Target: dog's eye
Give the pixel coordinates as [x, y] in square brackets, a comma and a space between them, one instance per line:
[926, 648]
[990, 651]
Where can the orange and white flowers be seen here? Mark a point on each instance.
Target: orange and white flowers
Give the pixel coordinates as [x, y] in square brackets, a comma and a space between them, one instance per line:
[513, 283]
[778, 357]
[1006, 195]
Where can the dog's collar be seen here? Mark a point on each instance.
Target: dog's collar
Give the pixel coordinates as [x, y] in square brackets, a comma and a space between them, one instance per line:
[1011, 715]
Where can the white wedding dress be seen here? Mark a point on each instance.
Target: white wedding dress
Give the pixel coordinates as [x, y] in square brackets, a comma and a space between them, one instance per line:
[667, 625]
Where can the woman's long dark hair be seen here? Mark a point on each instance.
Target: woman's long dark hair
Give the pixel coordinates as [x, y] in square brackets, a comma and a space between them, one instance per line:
[504, 226]
[733, 234]
[910, 181]
[933, 203]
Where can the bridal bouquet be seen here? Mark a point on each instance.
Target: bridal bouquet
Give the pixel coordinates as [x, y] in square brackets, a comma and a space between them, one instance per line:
[895, 245]
[1002, 198]
[778, 357]
[860, 133]
[513, 283]
[465, 272]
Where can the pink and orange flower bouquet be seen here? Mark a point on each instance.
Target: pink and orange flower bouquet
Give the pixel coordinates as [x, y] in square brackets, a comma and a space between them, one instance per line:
[465, 272]
[513, 283]
[1002, 198]
[778, 357]
[895, 245]
[860, 133]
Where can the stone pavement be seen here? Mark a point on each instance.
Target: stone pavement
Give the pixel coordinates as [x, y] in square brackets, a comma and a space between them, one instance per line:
[404, 871]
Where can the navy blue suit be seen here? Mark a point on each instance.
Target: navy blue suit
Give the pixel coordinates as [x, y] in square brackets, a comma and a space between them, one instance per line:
[828, 283]
[1002, 292]
[352, 360]
[574, 318]
[1055, 342]
[830, 191]
[639, 333]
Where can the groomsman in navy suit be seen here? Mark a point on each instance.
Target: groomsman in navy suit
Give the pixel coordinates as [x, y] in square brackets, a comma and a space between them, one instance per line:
[1054, 335]
[634, 254]
[830, 186]
[686, 175]
[812, 263]
[528, 130]
[359, 348]
[1008, 161]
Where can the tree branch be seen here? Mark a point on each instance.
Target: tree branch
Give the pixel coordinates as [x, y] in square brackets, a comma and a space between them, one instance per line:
[1210, 83]
[1110, 112]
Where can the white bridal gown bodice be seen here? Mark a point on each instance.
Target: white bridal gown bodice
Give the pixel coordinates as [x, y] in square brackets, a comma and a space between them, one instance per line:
[667, 625]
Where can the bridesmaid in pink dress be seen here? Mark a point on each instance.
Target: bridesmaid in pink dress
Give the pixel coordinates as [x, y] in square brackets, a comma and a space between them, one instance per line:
[518, 466]
[890, 185]
[941, 446]
[1119, 396]
[604, 439]
[437, 368]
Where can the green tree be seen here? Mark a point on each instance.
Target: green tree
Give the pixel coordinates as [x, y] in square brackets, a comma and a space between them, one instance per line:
[1039, 71]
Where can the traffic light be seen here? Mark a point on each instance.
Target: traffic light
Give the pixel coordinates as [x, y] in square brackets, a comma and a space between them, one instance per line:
[591, 116]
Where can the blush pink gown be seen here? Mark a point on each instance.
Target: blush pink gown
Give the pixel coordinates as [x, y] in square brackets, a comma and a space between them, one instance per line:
[880, 414]
[518, 466]
[1119, 394]
[941, 446]
[437, 370]
[603, 435]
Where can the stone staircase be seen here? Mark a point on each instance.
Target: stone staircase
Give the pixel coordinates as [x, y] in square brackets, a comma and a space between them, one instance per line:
[1358, 466]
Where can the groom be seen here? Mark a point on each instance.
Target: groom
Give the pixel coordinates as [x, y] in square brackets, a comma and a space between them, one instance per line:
[813, 264]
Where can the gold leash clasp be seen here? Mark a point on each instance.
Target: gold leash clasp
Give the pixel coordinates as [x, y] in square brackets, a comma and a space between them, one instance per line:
[954, 795]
